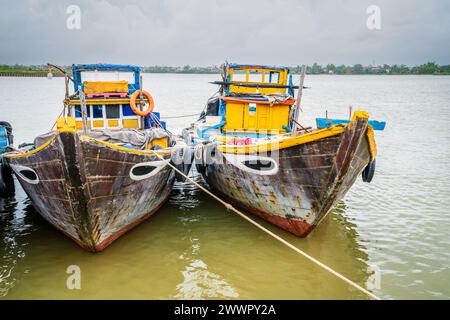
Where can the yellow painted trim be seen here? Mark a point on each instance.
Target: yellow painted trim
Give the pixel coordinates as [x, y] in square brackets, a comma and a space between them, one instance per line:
[99, 123]
[24, 155]
[130, 123]
[284, 143]
[80, 124]
[66, 124]
[105, 86]
[136, 151]
[113, 123]
[101, 101]
[360, 114]
[162, 142]
[372, 143]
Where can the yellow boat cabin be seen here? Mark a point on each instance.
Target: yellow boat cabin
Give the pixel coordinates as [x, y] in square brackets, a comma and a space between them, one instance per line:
[253, 99]
[111, 103]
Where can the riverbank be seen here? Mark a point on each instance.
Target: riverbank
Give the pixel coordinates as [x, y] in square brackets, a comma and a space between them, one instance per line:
[45, 74]
[28, 74]
[429, 68]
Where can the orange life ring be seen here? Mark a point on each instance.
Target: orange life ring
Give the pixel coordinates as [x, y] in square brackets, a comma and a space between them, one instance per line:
[151, 103]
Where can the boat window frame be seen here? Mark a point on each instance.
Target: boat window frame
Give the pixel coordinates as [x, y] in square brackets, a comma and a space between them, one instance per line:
[91, 119]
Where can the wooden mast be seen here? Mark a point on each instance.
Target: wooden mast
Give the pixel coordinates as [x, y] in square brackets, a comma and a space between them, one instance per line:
[83, 110]
[299, 98]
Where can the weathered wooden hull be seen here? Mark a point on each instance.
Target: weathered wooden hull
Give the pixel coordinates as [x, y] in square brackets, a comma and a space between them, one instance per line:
[311, 179]
[85, 189]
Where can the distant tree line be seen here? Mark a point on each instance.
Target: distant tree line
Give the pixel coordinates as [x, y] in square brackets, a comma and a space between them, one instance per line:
[426, 68]
[27, 69]
[184, 69]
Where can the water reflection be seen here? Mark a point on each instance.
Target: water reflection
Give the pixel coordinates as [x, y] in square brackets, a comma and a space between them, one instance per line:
[228, 258]
[16, 225]
[337, 243]
[198, 281]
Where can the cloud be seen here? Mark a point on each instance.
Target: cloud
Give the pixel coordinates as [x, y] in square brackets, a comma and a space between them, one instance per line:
[179, 32]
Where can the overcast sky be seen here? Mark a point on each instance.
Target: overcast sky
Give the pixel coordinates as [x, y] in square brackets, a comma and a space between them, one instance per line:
[208, 32]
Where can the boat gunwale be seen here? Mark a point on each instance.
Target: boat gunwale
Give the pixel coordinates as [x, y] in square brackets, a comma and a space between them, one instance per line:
[14, 155]
[284, 142]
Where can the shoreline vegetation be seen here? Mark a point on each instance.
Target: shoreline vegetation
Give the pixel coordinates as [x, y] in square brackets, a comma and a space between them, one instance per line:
[429, 68]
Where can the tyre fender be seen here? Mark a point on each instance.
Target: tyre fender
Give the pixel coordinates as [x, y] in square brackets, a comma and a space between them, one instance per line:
[369, 171]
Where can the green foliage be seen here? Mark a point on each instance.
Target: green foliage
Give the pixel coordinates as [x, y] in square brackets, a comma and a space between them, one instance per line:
[19, 69]
[316, 69]
[428, 68]
[358, 69]
[184, 69]
[444, 70]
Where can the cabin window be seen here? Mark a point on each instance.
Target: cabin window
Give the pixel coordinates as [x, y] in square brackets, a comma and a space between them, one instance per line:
[113, 111]
[255, 76]
[272, 77]
[97, 111]
[127, 111]
[108, 116]
[78, 111]
[239, 76]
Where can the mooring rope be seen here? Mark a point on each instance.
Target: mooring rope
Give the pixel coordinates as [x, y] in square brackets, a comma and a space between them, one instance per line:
[304, 254]
[62, 112]
[183, 116]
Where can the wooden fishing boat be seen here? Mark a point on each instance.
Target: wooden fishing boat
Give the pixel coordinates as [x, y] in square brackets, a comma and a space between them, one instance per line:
[251, 149]
[104, 169]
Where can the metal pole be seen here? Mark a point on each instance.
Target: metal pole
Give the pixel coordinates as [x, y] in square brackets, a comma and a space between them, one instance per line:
[83, 110]
[299, 98]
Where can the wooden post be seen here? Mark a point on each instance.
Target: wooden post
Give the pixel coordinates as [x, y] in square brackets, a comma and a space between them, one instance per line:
[299, 98]
[66, 80]
[83, 110]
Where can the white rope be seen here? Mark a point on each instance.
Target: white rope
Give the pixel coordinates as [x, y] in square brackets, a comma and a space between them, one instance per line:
[230, 207]
[184, 116]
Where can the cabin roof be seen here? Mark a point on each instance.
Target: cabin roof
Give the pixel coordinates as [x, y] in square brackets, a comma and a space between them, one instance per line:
[77, 69]
[105, 67]
[256, 66]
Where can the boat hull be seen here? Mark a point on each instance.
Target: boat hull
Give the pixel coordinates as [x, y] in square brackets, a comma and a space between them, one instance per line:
[84, 188]
[311, 179]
